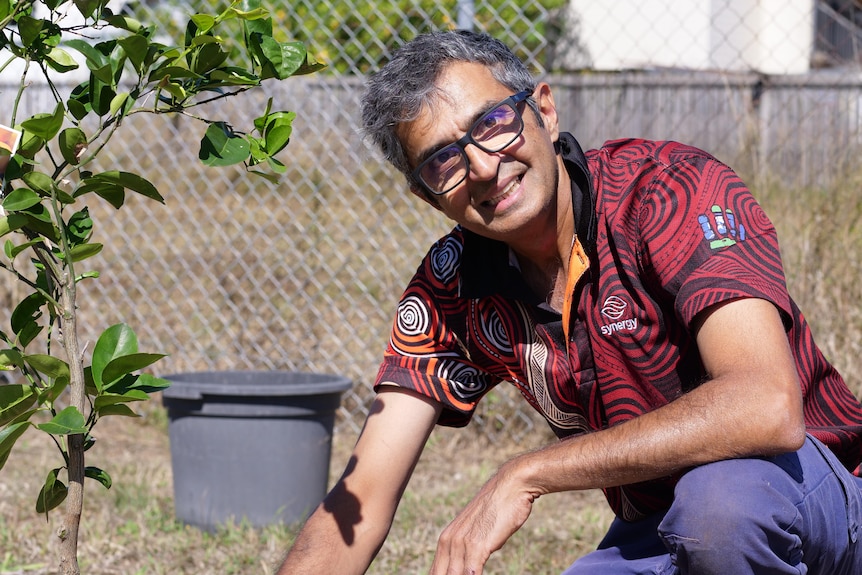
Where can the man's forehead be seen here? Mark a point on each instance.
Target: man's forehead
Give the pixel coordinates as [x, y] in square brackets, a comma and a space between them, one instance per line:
[462, 92]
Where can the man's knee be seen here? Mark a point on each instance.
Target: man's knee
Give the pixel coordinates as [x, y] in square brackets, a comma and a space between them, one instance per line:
[736, 508]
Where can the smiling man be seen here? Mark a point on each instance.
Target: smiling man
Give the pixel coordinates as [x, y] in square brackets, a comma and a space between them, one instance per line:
[635, 297]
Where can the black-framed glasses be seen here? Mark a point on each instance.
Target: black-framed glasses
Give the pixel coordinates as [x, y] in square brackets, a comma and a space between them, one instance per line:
[494, 131]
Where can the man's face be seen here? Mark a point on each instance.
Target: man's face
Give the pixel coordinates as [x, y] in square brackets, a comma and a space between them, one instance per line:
[505, 193]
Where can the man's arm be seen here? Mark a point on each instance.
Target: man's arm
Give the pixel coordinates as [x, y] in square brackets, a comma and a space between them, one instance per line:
[751, 405]
[345, 532]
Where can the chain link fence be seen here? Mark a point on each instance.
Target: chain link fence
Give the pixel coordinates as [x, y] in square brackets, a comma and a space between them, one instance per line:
[235, 272]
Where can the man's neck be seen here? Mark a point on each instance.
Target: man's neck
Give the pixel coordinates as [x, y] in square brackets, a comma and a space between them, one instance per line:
[543, 257]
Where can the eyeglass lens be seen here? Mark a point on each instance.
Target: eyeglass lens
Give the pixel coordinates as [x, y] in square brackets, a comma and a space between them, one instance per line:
[491, 133]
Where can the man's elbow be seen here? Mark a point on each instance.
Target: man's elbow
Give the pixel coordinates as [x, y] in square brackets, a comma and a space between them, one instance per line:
[787, 429]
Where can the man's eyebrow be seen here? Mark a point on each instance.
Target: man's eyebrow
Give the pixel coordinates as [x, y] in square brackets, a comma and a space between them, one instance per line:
[431, 150]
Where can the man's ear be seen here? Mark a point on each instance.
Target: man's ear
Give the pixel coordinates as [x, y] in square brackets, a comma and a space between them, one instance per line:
[426, 197]
[548, 109]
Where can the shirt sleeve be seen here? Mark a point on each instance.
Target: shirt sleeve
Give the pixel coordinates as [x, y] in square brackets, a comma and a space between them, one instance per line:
[427, 350]
[707, 240]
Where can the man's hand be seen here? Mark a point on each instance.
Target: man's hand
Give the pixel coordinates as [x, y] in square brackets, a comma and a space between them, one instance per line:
[500, 508]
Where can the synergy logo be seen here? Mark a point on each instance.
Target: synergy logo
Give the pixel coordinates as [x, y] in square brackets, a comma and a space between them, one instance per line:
[614, 308]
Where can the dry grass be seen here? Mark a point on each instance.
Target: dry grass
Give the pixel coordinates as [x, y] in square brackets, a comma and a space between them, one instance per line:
[130, 529]
[820, 231]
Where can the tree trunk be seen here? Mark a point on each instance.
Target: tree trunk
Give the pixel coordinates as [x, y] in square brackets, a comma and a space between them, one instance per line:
[68, 532]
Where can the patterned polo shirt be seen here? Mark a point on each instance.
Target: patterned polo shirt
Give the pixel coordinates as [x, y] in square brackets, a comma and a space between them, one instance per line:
[668, 231]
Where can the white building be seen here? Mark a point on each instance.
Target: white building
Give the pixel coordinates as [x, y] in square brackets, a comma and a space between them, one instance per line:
[766, 36]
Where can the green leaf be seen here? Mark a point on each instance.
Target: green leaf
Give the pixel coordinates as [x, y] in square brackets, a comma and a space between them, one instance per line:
[84, 251]
[104, 74]
[175, 90]
[118, 409]
[171, 72]
[278, 129]
[117, 341]
[78, 103]
[60, 60]
[130, 181]
[12, 251]
[87, 7]
[11, 223]
[8, 436]
[39, 182]
[230, 76]
[48, 364]
[209, 57]
[286, 58]
[72, 142]
[117, 103]
[259, 25]
[20, 199]
[99, 475]
[30, 28]
[101, 93]
[25, 317]
[5, 8]
[205, 39]
[125, 23]
[10, 359]
[276, 166]
[106, 399]
[135, 47]
[15, 400]
[257, 150]
[28, 333]
[95, 59]
[268, 177]
[37, 213]
[127, 364]
[45, 126]
[80, 226]
[310, 66]
[52, 494]
[253, 14]
[31, 144]
[39, 221]
[148, 383]
[220, 146]
[67, 422]
[114, 194]
[204, 22]
[50, 394]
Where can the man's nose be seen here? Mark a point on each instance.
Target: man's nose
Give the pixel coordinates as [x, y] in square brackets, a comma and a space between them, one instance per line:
[483, 165]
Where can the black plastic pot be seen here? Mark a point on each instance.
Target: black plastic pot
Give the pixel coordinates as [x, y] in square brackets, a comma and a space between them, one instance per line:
[250, 445]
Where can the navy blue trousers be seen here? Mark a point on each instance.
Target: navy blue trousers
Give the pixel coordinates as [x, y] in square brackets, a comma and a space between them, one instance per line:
[797, 513]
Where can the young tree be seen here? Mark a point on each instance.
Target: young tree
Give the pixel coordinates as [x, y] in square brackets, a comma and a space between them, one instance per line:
[45, 222]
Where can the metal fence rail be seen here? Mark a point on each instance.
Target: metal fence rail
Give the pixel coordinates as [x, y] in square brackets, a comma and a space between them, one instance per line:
[238, 273]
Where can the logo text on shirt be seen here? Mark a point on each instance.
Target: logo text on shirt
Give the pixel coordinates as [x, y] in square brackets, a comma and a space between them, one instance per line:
[613, 309]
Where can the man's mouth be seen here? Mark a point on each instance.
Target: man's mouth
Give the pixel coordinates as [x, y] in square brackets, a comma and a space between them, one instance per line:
[491, 202]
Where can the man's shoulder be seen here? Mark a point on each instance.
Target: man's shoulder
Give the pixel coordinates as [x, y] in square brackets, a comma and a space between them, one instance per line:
[444, 256]
[639, 150]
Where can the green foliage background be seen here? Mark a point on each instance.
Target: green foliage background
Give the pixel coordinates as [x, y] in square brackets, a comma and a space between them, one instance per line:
[355, 37]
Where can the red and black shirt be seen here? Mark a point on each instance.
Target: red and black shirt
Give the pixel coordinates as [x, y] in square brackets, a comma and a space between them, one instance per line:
[669, 231]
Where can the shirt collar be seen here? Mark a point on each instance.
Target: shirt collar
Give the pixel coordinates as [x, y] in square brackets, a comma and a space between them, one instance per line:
[487, 268]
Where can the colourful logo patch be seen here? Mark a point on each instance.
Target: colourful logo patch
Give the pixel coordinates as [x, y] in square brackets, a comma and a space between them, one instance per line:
[720, 228]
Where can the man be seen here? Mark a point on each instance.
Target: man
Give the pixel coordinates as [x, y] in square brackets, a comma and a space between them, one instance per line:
[635, 296]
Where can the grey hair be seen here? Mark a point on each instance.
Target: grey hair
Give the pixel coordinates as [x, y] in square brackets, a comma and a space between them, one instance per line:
[406, 84]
